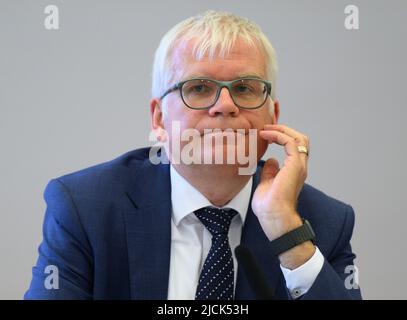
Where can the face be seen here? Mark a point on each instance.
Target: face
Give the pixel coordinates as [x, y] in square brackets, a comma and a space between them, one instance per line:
[242, 61]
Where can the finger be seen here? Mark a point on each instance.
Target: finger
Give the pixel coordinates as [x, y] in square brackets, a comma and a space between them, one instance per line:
[282, 139]
[290, 146]
[283, 128]
[299, 137]
[270, 170]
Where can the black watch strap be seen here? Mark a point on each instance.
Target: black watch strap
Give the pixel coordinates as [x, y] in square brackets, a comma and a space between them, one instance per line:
[292, 238]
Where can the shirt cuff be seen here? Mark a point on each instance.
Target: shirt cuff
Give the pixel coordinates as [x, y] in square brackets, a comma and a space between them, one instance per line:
[301, 279]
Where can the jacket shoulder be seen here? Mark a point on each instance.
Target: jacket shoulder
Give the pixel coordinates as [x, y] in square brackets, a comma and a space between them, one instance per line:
[106, 173]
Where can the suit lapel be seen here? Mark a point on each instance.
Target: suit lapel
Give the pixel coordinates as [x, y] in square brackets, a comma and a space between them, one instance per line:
[148, 231]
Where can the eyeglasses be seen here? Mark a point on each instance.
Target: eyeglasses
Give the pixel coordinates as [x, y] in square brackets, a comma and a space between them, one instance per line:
[203, 93]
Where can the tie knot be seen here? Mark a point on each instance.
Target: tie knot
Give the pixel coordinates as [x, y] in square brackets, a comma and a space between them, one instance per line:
[217, 221]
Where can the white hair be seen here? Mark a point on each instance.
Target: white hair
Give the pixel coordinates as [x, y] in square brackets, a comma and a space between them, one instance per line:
[213, 32]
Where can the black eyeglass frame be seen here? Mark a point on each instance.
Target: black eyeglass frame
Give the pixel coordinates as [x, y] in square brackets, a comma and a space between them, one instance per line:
[220, 85]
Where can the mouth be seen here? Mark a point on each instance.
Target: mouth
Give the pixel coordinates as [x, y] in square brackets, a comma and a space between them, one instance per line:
[225, 131]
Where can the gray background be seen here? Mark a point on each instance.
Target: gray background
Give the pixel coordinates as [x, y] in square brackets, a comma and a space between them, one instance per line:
[79, 96]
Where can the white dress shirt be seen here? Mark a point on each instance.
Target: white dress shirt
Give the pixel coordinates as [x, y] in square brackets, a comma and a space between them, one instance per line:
[191, 241]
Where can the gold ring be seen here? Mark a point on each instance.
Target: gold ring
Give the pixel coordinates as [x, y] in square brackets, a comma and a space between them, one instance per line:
[303, 149]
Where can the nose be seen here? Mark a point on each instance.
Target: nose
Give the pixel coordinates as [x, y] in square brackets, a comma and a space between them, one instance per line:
[224, 106]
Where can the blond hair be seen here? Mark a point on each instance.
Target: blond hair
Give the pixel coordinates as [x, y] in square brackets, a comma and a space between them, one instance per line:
[213, 32]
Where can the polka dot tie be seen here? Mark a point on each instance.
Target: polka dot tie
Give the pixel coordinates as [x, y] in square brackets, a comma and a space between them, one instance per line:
[216, 281]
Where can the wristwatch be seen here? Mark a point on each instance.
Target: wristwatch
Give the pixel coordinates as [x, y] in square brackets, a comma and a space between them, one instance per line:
[293, 238]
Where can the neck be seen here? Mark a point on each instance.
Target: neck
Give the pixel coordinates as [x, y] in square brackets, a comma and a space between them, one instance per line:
[218, 183]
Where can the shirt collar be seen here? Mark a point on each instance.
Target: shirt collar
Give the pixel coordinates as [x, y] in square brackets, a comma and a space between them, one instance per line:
[186, 199]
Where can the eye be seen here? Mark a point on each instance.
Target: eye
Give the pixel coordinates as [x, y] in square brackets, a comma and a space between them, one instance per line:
[200, 88]
[242, 88]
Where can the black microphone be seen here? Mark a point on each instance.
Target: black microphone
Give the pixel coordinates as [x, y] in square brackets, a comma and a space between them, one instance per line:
[255, 276]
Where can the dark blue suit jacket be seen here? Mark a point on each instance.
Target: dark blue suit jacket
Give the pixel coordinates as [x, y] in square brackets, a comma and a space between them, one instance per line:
[107, 229]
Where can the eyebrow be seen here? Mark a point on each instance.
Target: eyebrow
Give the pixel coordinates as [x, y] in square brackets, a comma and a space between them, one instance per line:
[249, 75]
[243, 75]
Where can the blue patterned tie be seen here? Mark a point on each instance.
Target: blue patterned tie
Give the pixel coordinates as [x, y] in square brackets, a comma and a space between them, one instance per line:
[216, 281]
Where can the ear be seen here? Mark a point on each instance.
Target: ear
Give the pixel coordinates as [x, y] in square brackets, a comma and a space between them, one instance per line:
[157, 123]
[276, 114]
[156, 113]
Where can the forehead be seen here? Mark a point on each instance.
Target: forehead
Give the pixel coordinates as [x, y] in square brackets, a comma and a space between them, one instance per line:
[241, 60]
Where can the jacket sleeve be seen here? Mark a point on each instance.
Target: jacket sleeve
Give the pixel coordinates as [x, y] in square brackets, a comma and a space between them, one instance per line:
[65, 266]
[336, 279]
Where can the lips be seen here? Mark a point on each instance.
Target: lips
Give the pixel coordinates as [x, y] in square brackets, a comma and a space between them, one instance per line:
[224, 131]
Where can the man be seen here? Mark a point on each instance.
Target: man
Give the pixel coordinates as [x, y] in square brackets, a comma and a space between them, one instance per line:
[135, 229]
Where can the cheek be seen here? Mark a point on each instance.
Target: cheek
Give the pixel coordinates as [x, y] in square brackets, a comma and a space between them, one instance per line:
[178, 119]
[258, 123]
[261, 146]
[173, 112]
[267, 117]
[258, 118]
